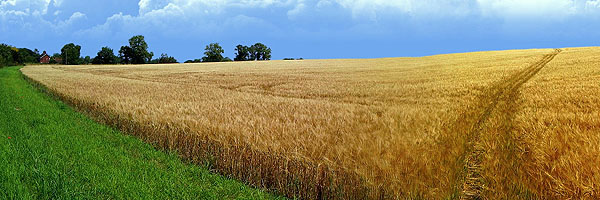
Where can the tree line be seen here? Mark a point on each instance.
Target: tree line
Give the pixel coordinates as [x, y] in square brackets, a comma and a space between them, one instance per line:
[10, 55]
[213, 53]
[134, 53]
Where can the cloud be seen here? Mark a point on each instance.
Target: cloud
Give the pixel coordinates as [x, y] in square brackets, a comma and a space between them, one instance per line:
[27, 19]
[213, 18]
[528, 9]
[75, 17]
[27, 7]
[186, 17]
[298, 9]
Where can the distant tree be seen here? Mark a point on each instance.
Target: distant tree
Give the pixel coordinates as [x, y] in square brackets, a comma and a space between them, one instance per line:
[253, 53]
[6, 55]
[140, 50]
[86, 60]
[193, 61]
[27, 56]
[213, 53]
[126, 55]
[70, 54]
[164, 58]
[226, 59]
[266, 54]
[260, 51]
[242, 53]
[105, 56]
[14, 52]
[55, 58]
[153, 61]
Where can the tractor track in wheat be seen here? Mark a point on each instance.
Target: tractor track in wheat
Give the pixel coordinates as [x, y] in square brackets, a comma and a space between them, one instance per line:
[500, 100]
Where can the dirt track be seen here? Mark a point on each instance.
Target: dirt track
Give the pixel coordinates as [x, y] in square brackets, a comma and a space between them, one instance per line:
[499, 102]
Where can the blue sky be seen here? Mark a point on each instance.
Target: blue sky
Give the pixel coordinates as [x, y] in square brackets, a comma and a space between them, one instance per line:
[303, 28]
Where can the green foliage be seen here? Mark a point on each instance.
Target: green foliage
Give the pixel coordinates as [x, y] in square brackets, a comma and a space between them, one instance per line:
[70, 54]
[126, 55]
[49, 151]
[87, 60]
[242, 53]
[105, 56]
[260, 51]
[6, 55]
[28, 56]
[257, 51]
[10, 55]
[139, 48]
[213, 53]
[55, 58]
[164, 58]
[226, 59]
[136, 52]
[193, 61]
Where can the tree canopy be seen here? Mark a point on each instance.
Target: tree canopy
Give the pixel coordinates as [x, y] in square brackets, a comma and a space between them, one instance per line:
[126, 55]
[70, 54]
[140, 50]
[86, 60]
[213, 53]
[164, 58]
[10, 55]
[136, 52]
[242, 53]
[105, 56]
[193, 61]
[7, 55]
[28, 56]
[260, 51]
[257, 51]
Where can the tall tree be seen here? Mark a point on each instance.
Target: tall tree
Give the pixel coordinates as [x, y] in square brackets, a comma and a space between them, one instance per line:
[126, 55]
[105, 56]
[242, 53]
[70, 54]
[260, 51]
[213, 53]
[140, 50]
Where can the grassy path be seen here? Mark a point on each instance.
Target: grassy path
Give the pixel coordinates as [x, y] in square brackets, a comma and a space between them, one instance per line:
[49, 151]
[496, 109]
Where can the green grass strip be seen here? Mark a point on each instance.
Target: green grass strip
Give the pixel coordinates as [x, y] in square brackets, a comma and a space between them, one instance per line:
[49, 151]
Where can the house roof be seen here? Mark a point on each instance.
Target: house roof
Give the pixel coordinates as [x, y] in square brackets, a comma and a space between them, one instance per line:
[44, 54]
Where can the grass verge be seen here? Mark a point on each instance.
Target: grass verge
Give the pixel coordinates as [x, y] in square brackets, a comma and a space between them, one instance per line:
[49, 151]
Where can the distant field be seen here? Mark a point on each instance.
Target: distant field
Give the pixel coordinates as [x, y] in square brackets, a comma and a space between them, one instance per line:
[49, 151]
[504, 124]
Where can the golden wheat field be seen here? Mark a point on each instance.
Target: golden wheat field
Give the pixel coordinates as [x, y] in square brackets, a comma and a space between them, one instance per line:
[516, 124]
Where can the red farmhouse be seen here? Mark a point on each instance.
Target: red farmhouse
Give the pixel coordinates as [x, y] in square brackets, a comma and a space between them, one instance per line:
[45, 58]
